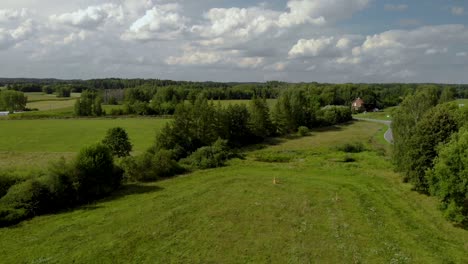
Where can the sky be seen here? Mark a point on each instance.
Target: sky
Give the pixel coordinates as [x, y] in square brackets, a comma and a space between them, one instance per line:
[334, 41]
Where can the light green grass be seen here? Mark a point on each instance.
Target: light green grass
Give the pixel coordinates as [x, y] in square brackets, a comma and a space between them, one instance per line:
[34, 97]
[51, 105]
[34, 142]
[463, 101]
[322, 211]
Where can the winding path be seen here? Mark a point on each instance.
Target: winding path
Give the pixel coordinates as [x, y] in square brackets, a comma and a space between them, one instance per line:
[389, 134]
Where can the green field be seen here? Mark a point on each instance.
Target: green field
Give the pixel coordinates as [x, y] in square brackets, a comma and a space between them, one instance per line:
[385, 114]
[34, 141]
[323, 210]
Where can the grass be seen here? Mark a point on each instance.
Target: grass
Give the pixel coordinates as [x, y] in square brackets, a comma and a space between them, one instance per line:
[462, 101]
[51, 105]
[35, 97]
[386, 114]
[322, 211]
[37, 141]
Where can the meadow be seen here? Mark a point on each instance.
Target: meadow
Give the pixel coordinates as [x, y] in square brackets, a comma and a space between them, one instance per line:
[34, 142]
[327, 207]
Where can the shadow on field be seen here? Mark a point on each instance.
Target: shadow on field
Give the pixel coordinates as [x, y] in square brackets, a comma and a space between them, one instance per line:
[132, 189]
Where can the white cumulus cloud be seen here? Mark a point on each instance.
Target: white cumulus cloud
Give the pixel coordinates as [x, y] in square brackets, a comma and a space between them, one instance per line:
[90, 18]
[162, 22]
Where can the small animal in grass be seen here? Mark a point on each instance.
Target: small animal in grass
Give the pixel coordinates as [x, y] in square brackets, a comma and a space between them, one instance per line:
[275, 181]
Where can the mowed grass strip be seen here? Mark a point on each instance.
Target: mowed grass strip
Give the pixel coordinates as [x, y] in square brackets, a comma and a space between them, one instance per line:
[70, 135]
[322, 211]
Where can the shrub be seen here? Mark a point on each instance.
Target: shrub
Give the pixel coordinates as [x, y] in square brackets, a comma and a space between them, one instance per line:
[32, 195]
[354, 147]
[209, 157]
[117, 141]
[151, 166]
[448, 179]
[11, 216]
[303, 131]
[6, 181]
[94, 173]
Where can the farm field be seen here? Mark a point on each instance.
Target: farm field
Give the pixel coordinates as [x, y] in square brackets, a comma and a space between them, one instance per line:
[323, 210]
[34, 141]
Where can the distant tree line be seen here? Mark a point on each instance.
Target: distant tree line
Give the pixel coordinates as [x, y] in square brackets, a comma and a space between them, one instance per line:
[430, 137]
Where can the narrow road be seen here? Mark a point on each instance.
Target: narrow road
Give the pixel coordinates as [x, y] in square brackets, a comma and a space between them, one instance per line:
[389, 134]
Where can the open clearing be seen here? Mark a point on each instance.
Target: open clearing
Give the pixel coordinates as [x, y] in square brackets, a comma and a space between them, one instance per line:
[35, 141]
[323, 210]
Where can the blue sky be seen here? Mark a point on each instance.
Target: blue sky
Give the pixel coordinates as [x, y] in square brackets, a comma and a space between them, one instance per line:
[219, 40]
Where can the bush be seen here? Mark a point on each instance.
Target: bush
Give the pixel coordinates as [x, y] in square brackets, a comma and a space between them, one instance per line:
[6, 181]
[151, 166]
[448, 179]
[117, 141]
[354, 147]
[303, 131]
[32, 195]
[94, 173]
[209, 157]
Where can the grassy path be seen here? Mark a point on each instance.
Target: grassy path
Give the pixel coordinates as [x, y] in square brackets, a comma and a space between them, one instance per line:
[323, 210]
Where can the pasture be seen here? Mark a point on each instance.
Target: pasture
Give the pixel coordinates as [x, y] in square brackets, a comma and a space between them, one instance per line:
[34, 141]
[322, 210]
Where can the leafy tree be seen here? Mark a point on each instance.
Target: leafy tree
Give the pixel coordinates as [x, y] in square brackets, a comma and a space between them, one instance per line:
[12, 100]
[448, 94]
[89, 104]
[94, 173]
[434, 128]
[449, 178]
[237, 130]
[405, 119]
[118, 142]
[260, 121]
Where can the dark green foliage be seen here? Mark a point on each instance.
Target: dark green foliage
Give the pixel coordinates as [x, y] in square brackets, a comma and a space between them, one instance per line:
[260, 122]
[209, 157]
[63, 91]
[6, 181]
[448, 94]
[118, 142]
[94, 173]
[151, 166]
[334, 114]
[449, 178]
[236, 126]
[89, 104]
[12, 101]
[32, 195]
[405, 119]
[353, 147]
[47, 89]
[434, 128]
[303, 131]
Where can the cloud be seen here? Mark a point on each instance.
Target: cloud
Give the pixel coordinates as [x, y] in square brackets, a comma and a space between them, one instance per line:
[7, 15]
[193, 56]
[399, 7]
[458, 11]
[90, 18]
[462, 54]
[9, 38]
[311, 47]
[162, 22]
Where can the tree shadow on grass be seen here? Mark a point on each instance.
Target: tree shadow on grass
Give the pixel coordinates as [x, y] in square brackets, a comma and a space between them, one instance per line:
[132, 189]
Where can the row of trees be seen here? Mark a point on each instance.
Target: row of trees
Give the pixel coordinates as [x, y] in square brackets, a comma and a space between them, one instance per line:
[429, 134]
[203, 133]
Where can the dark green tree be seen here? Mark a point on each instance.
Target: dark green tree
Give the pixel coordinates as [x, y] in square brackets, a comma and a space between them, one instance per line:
[118, 142]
